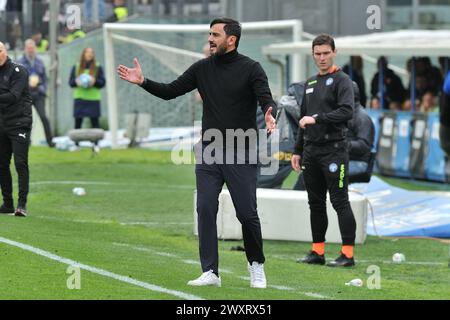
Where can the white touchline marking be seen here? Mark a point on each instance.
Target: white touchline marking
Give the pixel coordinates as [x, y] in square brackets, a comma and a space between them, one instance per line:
[156, 185]
[70, 182]
[285, 288]
[194, 262]
[74, 220]
[154, 223]
[315, 295]
[423, 263]
[189, 261]
[101, 272]
[280, 287]
[111, 221]
[166, 254]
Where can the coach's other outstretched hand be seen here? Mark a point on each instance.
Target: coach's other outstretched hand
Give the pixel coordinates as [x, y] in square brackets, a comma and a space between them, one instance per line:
[133, 75]
[270, 121]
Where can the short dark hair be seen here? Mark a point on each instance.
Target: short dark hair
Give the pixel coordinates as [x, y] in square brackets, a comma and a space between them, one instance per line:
[324, 39]
[231, 28]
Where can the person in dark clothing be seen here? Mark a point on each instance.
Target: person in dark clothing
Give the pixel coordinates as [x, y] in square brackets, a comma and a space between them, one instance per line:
[38, 85]
[322, 148]
[394, 92]
[230, 85]
[87, 78]
[433, 76]
[360, 137]
[355, 71]
[15, 129]
[120, 11]
[444, 120]
[14, 22]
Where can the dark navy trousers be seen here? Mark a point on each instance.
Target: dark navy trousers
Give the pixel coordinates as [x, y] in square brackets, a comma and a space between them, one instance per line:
[241, 182]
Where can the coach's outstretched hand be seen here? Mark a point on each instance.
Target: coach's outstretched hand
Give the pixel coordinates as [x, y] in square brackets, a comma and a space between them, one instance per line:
[270, 121]
[133, 75]
[295, 162]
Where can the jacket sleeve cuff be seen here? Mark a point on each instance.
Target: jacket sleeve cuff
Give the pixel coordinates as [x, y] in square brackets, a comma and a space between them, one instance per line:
[319, 118]
[142, 85]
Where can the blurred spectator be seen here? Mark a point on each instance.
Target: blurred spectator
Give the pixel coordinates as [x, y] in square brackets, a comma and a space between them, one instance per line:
[428, 77]
[3, 20]
[88, 11]
[428, 103]
[87, 78]
[71, 35]
[41, 44]
[120, 11]
[355, 70]
[422, 86]
[13, 22]
[393, 88]
[37, 82]
[433, 76]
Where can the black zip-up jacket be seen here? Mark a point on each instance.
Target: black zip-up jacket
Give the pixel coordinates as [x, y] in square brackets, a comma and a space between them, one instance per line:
[329, 99]
[15, 99]
[230, 86]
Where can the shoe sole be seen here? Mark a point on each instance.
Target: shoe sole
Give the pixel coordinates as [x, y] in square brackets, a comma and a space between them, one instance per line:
[340, 265]
[313, 263]
[258, 287]
[20, 215]
[204, 285]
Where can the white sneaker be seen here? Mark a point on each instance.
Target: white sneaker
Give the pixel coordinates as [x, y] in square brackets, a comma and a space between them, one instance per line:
[206, 279]
[257, 275]
[96, 149]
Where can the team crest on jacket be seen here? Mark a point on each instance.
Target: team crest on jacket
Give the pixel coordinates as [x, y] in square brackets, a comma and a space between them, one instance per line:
[333, 167]
[17, 69]
[329, 82]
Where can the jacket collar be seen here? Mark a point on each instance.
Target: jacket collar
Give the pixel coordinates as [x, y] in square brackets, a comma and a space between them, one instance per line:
[7, 62]
[227, 57]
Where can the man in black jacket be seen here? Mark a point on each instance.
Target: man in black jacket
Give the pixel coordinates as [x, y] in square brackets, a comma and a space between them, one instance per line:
[230, 85]
[326, 108]
[360, 137]
[15, 129]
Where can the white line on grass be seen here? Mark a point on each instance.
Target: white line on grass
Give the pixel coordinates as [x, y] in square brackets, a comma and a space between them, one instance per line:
[112, 222]
[194, 262]
[154, 223]
[419, 263]
[286, 288]
[101, 272]
[422, 263]
[150, 184]
[164, 254]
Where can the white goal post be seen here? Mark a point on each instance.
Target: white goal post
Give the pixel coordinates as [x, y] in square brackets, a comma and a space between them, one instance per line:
[111, 33]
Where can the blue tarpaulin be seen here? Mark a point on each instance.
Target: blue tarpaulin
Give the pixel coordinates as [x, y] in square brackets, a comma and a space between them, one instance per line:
[399, 212]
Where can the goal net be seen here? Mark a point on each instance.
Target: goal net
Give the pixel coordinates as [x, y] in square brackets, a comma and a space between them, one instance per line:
[166, 51]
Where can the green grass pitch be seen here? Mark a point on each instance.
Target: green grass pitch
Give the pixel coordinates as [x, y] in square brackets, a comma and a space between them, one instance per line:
[136, 221]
